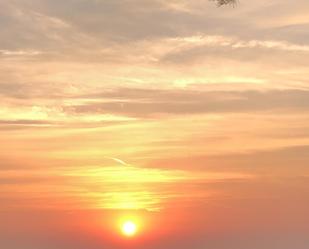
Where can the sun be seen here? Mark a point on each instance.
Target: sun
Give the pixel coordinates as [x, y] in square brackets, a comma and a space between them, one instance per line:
[129, 228]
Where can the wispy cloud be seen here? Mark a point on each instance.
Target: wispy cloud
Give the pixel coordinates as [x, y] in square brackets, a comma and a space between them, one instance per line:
[112, 187]
[142, 102]
[225, 41]
[19, 53]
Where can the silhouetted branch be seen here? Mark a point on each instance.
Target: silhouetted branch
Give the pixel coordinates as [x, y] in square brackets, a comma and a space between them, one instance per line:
[224, 2]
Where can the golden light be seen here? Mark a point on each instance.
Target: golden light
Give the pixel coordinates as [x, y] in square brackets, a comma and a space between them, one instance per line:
[129, 228]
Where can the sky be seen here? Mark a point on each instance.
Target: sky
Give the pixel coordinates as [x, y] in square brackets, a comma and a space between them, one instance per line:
[191, 120]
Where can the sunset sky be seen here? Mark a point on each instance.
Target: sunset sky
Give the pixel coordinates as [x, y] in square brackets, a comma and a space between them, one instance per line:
[188, 119]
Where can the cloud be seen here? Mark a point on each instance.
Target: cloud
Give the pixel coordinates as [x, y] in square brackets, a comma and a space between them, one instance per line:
[55, 25]
[11, 125]
[142, 102]
[19, 53]
[208, 50]
[109, 187]
[271, 162]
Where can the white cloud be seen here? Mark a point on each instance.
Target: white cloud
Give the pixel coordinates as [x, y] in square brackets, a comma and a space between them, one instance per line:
[20, 52]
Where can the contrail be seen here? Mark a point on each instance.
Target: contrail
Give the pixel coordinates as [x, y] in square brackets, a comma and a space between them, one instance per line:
[118, 161]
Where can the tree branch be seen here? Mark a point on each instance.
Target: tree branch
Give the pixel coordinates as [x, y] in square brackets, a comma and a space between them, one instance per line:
[224, 2]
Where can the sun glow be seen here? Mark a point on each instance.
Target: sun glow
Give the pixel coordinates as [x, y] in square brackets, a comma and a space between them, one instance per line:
[129, 228]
